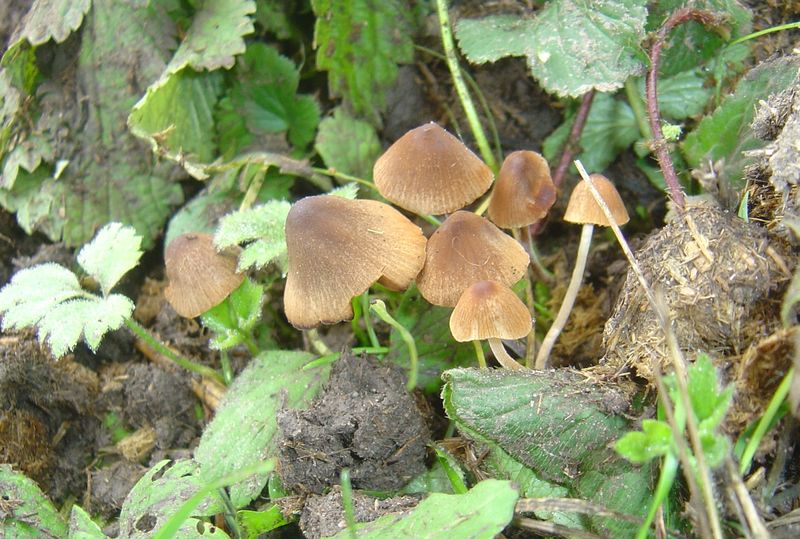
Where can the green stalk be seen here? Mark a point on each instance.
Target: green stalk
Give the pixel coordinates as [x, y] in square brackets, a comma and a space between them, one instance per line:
[333, 173]
[249, 342]
[252, 190]
[317, 343]
[637, 105]
[669, 468]
[379, 308]
[227, 370]
[479, 354]
[373, 338]
[347, 503]
[162, 349]
[461, 88]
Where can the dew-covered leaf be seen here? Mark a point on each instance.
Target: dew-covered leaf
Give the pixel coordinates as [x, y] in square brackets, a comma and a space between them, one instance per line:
[113, 252]
[30, 513]
[347, 144]
[243, 431]
[572, 46]
[480, 513]
[359, 43]
[262, 230]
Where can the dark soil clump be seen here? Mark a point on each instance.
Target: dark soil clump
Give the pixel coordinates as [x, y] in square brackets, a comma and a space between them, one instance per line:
[364, 420]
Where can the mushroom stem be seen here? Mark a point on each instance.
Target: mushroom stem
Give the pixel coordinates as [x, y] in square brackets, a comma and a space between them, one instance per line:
[502, 356]
[543, 357]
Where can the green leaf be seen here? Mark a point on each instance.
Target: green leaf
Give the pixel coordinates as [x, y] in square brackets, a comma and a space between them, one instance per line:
[30, 514]
[682, 95]
[33, 292]
[359, 43]
[434, 480]
[482, 512]
[348, 191]
[115, 250]
[236, 316]
[81, 525]
[52, 19]
[654, 440]
[244, 428]
[176, 114]
[436, 347]
[160, 493]
[557, 425]
[725, 136]
[715, 447]
[257, 522]
[702, 386]
[572, 46]
[610, 128]
[262, 229]
[347, 144]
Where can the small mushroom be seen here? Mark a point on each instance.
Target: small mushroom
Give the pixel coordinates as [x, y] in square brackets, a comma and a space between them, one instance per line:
[524, 191]
[465, 249]
[337, 248]
[490, 310]
[429, 171]
[582, 209]
[199, 277]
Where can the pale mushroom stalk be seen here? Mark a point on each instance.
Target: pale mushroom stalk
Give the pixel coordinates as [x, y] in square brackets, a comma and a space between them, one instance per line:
[543, 357]
[502, 356]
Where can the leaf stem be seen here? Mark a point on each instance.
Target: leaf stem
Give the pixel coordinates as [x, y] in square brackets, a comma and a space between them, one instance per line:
[461, 88]
[379, 308]
[638, 107]
[373, 338]
[165, 351]
[479, 354]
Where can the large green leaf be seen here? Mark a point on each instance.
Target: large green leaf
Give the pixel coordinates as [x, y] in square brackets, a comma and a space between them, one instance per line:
[176, 114]
[725, 136]
[360, 43]
[96, 171]
[347, 144]
[560, 426]
[52, 19]
[481, 513]
[243, 432]
[26, 512]
[572, 46]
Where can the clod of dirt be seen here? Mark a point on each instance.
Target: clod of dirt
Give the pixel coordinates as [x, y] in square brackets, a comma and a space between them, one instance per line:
[715, 270]
[25, 443]
[323, 516]
[110, 486]
[363, 420]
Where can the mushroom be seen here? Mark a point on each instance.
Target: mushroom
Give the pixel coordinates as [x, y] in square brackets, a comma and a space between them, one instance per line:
[524, 191]
[582, 209]
[429, 171]
[490, 310]
[199, 277]
[465, 249]
[337, 248]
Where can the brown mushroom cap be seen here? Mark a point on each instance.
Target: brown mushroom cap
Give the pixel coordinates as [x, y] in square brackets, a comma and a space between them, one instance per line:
[199, 277]
[489, 310]
[523, 192]
[583, 209]
[337, 248]
[429, 171]
[465, 249]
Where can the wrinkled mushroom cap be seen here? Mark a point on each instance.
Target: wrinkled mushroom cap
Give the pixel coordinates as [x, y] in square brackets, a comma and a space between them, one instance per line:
[199, 277]
[337, 248]
[583, 209]
[489, 310]
[465, 249]
[524, 191]
[429, 171]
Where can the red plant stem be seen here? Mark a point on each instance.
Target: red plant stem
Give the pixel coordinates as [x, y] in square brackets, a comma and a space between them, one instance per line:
[571, 147]
[660, 147]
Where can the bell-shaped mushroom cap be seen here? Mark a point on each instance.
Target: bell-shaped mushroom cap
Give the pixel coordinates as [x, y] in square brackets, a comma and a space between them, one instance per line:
[523, 192]
[489, 310]
[199, 277]
[337, 248]
[429, 171]
[583, 209]
[465, 249]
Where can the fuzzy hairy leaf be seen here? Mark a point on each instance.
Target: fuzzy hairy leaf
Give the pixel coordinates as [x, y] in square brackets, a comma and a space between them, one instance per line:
[33, 292]
[359, 43]
[347, 144]
[262, 230]
[232, 319]
[52, 19]
[115, 250]
[31, 514]
[480, 513]
[598, 48]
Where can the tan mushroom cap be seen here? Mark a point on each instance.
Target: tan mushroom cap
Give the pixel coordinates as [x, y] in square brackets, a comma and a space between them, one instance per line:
[524, 191]
[583, 209]
[337, 248]
[429, 171]
[465, 249]
[489, 310]
[199, 277]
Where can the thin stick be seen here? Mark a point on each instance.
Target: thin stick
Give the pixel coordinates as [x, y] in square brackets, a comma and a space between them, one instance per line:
[573, 143]
[501, 355]
[461, 88]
